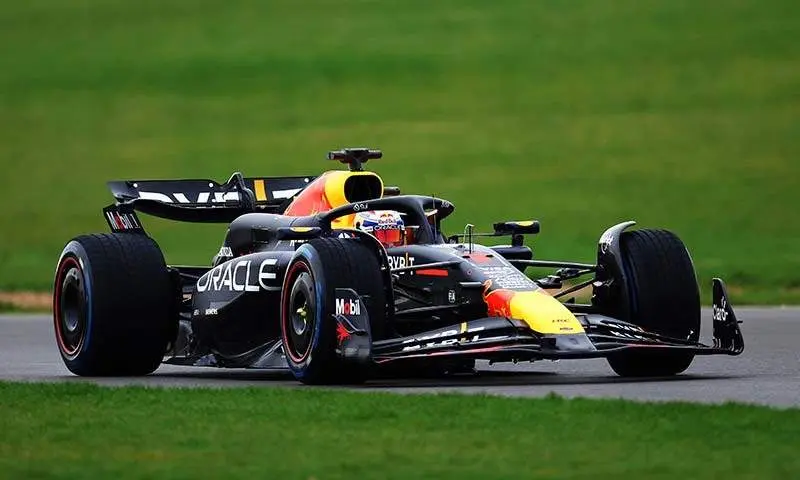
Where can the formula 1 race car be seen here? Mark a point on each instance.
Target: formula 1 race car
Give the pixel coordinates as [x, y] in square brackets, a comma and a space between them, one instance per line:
[339, 278]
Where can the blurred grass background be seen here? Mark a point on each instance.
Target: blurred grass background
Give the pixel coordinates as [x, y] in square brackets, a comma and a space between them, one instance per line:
[679, 114]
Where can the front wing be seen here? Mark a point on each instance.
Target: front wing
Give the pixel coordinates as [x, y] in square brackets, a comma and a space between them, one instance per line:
[502, 339]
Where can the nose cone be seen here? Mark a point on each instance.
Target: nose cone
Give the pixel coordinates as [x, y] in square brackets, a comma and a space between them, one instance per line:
[543, 313]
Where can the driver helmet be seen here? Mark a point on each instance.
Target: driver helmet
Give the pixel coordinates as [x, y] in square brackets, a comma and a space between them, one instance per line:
[385, 225]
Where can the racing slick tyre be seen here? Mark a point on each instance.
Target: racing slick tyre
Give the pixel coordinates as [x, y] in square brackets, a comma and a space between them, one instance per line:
[663, 298]
[308, 305]
[113, 305]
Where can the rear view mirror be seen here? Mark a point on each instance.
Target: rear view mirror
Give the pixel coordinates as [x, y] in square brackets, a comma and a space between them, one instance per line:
[529, 227]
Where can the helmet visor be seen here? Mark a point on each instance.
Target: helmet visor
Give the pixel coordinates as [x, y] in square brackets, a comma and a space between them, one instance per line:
[392, 237]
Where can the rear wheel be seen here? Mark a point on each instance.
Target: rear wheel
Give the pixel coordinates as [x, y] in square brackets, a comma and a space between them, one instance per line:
[308, 305]
[113, 305]
[663, 298]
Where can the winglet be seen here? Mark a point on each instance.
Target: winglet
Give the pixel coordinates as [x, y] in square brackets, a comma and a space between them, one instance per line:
[727, 334]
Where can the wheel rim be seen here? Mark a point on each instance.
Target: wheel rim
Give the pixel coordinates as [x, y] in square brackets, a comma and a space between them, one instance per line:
[299, 314]
[70, 308]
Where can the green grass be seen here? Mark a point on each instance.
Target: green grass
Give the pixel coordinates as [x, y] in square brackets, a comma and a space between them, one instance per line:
[85, 431]
[680, 114]
[6, 307]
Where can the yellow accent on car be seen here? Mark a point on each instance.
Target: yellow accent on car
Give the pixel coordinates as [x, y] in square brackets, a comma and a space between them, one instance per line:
[527, 223]
[261, 192]
[334, 193]
[334, 185]
[544, 314]
[301, 229]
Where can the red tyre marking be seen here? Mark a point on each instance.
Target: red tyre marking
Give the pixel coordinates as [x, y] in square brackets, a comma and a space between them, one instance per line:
[300, 265]
[62, 269]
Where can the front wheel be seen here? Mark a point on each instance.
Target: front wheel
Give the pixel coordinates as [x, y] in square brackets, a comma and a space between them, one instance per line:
[310, 334]
[663, 298]
[113, 305]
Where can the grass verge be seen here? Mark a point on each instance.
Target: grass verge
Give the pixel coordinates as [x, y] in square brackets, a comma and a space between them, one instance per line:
[86, 431]
[39, 302]
[676, 113]
[7, 307]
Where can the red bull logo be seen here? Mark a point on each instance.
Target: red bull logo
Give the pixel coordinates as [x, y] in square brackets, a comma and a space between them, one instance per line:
[542, 312]
[498, 302]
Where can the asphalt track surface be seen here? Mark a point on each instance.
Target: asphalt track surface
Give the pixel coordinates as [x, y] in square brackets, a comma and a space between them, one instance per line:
[767, 373]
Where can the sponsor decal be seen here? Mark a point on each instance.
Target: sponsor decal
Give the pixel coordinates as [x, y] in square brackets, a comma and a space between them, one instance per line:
[386, 218]
[201, 198]
[120, 222]
[225, 252]
[536, 308]
[348, 307]
[451, 296]
[508, 278]
[625, 331]
[210, 311]
[342, 333]
[605, 241]
[497, 301]
[720, 313]
[396, 262]
[284, 194]
[385, 226]
[360, 207]
[238, 276]
[432, 340]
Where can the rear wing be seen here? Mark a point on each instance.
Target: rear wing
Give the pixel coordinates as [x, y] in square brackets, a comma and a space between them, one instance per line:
[198, 200]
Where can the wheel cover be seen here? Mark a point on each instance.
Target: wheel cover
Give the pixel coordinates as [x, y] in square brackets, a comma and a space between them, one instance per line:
[70, 308]
[298, 319]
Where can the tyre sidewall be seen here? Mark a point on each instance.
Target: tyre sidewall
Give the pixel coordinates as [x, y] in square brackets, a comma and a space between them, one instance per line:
[309, 256]
[74, 250]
